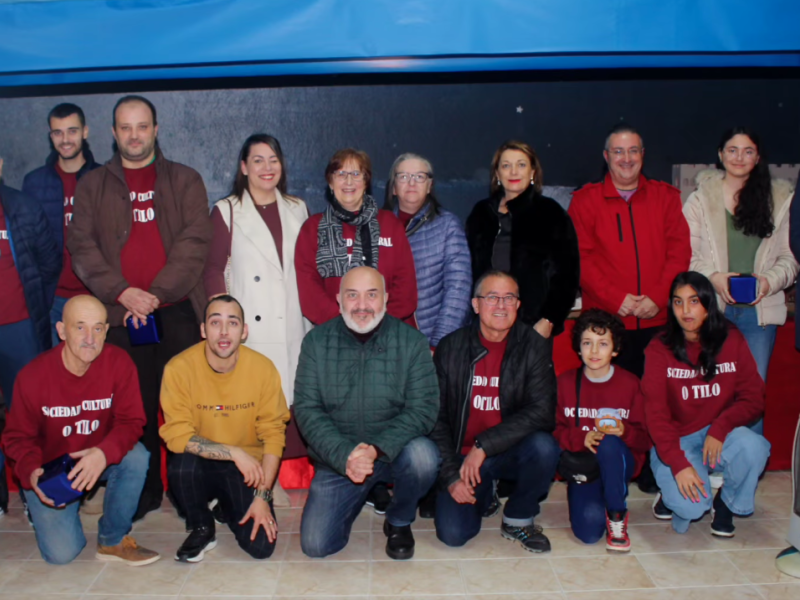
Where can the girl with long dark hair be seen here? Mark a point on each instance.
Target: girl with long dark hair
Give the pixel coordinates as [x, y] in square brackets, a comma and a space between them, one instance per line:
[701, 391]
[739, 222]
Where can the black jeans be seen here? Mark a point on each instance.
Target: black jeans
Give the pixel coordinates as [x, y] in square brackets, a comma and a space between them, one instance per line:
[179, 331]
[194, 481]
[634, 341]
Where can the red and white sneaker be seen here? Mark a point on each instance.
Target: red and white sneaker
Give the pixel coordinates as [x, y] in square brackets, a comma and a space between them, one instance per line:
[617, 538]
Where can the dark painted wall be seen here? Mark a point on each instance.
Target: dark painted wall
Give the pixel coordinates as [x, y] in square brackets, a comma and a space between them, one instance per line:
[457, 125]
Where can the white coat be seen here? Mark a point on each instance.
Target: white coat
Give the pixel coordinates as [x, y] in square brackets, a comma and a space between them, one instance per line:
[267, 290]
[705, 213]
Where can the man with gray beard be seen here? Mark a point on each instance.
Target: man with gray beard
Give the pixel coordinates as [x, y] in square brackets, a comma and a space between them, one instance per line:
[366, 395]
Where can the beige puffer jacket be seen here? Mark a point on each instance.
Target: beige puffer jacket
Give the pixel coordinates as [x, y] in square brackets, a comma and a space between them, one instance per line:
[705, 213]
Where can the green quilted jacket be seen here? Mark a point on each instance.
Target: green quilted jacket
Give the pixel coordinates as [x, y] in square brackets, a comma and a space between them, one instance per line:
[383, 392]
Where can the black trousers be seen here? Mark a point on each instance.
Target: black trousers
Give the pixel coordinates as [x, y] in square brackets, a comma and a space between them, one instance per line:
[179, 331]
[194, 481]
[634, 341]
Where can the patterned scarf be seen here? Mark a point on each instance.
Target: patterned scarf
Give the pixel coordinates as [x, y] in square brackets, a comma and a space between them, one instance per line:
[332, 258]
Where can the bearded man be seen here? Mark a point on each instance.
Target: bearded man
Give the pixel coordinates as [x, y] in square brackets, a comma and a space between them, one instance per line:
[366, 395]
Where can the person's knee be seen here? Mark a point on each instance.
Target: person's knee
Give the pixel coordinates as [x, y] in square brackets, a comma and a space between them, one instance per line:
[610, 446]
[137, 460]
[261, 548]
[540, 447]
[182, 463]
[588, 536]
[63, 553]
[750, 447]
[588, 522]
[454, 535]
[691, 511]
[422, 457]
[318, 546]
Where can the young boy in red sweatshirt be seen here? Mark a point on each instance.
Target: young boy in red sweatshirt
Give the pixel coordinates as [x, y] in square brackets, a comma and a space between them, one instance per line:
[702, 390]
[610, 457]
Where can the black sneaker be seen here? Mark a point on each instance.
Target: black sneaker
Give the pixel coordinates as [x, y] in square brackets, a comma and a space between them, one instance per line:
[660, 510]
[646, 480]
[379, 498]
[194, 547]
[493, 508]
[400, 542]
[721, 518]
[216, 510]
[530, 536]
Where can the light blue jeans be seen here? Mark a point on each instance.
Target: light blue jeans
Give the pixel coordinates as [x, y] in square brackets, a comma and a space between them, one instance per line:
[59, 533]
[744, 456]
[761, 341]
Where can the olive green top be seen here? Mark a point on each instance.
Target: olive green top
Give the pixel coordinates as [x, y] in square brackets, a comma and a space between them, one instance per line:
[741, 248]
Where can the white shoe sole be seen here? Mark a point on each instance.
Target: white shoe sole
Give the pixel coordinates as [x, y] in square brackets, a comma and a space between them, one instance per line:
[611, 548]
[196, 559]
[657, 516]
[138, 563]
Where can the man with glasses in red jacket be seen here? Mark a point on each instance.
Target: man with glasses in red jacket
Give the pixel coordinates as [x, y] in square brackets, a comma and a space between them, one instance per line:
[633, 241]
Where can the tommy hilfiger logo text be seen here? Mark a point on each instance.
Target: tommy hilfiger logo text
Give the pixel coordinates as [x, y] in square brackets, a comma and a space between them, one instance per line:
[225, 407]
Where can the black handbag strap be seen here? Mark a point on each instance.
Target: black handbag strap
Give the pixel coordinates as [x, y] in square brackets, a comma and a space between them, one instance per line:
[578, 380]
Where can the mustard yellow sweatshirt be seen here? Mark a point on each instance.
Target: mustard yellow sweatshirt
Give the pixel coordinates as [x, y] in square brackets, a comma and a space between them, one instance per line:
[244, 408]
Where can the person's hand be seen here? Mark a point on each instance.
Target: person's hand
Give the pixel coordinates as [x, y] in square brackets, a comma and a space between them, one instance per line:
[138, 303]
[544, 328]
[712, 451]
[361, 462]
[462, 492]
[248, 466]
[647, 309]
[592, 440]
[471, 467]
[690, 485]
[763, 289]
[87, 471]
[630, 303]
[35, 486]
[261, 514]
[722, 285]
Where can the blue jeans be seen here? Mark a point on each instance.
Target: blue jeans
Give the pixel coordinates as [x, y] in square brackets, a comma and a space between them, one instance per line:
[744, 456]
[761, 341]
[56, 313]
[334, 501]
[531, 463]
[17, 348]
[59, 533]
[588, 502]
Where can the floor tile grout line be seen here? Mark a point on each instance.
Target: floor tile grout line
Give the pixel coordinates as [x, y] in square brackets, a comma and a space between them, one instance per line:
[186, 578]
[646, 572]
[100, 572]
[555, 573]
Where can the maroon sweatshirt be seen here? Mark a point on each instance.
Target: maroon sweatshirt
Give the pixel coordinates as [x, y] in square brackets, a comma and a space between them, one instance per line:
[679, 402]
[621, 392]
[55, 412]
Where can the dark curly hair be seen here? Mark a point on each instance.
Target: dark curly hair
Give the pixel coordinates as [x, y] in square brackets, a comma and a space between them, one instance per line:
[599, 322]
[753, 214]
[713, 332]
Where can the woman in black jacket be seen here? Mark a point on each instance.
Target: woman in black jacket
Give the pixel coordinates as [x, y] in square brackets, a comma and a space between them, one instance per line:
[519, 231]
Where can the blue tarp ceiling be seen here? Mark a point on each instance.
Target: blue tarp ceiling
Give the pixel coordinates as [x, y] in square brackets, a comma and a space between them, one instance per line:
[80, 41]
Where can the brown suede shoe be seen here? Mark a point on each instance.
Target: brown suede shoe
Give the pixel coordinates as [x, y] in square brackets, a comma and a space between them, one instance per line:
[128, 551]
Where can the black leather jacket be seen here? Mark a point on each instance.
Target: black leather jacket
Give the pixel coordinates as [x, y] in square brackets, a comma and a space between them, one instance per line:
[527, 393]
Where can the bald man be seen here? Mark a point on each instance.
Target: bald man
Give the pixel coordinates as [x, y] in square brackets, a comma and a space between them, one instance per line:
[366, 395]
[82, 399]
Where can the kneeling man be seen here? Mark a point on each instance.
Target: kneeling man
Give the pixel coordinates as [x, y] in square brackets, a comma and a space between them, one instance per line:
[498, 399]
[81, 398]
[225, 420]
[365, 397]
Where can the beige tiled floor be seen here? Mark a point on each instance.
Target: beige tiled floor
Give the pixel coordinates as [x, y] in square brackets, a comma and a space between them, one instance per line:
[488, 568]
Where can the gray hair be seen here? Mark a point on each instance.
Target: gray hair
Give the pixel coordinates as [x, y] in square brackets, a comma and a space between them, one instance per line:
[390, 200]
[476, 290]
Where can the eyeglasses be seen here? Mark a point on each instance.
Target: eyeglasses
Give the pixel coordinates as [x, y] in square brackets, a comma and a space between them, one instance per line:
[406, 177]
[734, 152]
[620, 152]
[495, 300]
[343, 175]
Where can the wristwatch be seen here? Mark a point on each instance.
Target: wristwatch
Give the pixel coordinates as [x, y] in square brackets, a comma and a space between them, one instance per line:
[478, 444]
[265, 495]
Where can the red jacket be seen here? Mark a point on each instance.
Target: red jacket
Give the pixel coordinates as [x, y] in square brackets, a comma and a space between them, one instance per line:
[635, 247]
[679, 402]
[55, 412]
[395, 263]
[620, 392]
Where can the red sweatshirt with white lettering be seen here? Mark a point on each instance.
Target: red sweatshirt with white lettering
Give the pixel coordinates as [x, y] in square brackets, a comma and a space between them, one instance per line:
[55, 412]
[678, 401]
[621, 392]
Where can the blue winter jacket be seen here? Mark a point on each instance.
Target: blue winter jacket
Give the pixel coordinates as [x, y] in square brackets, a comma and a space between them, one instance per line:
[444, 275]
[36, 256]
[43, 184]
